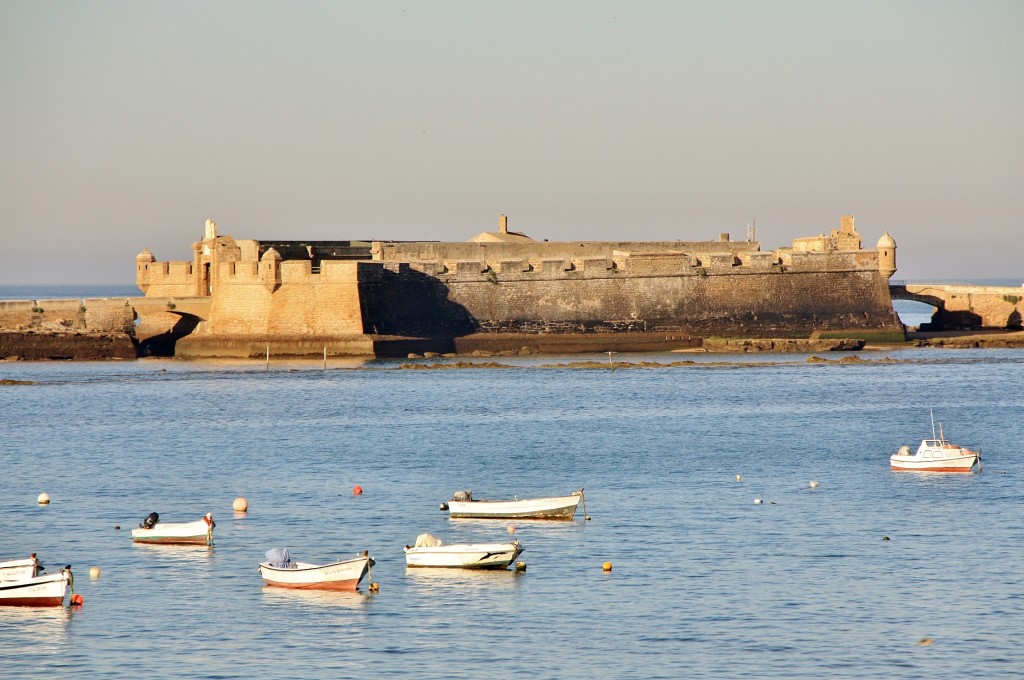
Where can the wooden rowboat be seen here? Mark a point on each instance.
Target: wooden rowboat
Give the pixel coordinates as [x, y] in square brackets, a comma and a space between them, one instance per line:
[199, 532]
[17, 570]
[463, 555]
[555, 507]
[39, 591]
[342, 575]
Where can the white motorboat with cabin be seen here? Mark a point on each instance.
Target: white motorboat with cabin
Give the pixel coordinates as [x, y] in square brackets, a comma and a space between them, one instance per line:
[432, 552]
[937, 454]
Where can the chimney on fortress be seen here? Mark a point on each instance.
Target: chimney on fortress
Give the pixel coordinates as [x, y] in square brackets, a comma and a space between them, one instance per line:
[503, 224]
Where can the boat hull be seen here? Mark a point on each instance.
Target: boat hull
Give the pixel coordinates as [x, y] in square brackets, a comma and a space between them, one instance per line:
[41, 591]
[464, 556]
[344, 575]
[199, 532]
[553, 508]
[965, 464]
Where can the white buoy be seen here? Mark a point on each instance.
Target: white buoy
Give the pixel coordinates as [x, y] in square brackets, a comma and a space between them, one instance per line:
[815, 484]
[43, 498]
[240, 504]
[738, 478]
[758, 501]
[94, 573]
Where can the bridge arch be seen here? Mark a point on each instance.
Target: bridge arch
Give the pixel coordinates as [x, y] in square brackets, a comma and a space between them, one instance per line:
[965, 306]
[157, 333]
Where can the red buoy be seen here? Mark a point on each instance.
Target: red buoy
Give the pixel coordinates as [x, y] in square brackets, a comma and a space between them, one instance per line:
[357, 490]
[77, 600]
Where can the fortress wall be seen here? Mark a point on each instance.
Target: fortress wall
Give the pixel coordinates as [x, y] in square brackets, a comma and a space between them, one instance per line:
[743, 301]
[543, 250]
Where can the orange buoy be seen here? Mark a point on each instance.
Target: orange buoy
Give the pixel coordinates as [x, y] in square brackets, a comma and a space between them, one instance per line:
[240, 504]
[357, 490]
[43, 498]
[77, 600]
[607, 566]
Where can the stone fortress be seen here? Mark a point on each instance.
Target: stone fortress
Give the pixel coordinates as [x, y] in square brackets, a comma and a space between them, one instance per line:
[503, 291]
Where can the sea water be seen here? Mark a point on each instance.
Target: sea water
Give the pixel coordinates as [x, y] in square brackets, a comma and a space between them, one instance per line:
[704, 581]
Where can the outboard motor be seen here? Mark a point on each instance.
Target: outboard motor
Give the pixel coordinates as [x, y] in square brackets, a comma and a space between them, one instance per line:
[150, 521]
[462, 496]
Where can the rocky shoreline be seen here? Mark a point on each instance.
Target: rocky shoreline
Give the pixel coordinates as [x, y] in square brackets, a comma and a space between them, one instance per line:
[65, 346]
[80, 345]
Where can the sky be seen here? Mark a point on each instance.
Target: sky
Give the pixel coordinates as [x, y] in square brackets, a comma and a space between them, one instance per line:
[125, 125]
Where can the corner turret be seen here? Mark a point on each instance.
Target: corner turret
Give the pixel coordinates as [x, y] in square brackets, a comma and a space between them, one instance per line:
[886, 255]
[142, 262]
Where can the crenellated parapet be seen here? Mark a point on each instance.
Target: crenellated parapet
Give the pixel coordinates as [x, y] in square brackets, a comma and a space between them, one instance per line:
[163, 279]
[619, 264]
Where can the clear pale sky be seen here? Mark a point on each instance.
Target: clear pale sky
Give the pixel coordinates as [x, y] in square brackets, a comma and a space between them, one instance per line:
[126, 125]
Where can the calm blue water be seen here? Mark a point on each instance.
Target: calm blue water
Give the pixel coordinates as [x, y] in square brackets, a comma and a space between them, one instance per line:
[63, 291]
[705, 584]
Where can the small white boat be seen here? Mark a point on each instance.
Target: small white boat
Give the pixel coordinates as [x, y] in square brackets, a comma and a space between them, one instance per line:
[936, 455]
[431, 552]
[17, 570]
[279, 570]
[199, 532]
[462, 506]
[39, 591]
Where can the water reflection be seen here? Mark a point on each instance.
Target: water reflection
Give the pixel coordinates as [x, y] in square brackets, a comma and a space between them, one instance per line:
[39, 630]
[178, 554]
[316, 598]
[428, 580]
